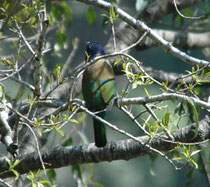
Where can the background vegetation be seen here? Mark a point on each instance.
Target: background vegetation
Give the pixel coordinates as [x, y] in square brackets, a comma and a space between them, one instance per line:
[46, 131]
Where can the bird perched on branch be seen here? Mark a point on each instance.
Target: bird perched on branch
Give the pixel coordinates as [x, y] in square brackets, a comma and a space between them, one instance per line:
[98, 88]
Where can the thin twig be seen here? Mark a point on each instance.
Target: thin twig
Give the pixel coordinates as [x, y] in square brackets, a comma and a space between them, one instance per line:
[130, 115]
[26, 84]
[5, 183]
[129, 135]
[159, 122]
[186, 17]
[21, 35]
[15, 72]
[70, 57]
[34, 135]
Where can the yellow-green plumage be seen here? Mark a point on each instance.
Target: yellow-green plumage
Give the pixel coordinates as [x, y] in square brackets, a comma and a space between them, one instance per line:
[98, 89]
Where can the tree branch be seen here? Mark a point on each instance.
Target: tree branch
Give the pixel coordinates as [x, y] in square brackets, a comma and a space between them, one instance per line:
[160, 8]
[115, 150]
[163, 97]
[166, 46]
[182, 38]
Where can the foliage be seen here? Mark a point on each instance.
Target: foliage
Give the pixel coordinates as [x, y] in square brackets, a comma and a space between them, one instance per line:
[41, 33]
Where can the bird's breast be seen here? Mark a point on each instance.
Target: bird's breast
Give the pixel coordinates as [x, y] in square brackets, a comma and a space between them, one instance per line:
[100, 70]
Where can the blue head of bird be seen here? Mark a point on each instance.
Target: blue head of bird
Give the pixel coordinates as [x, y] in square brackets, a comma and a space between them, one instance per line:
[93, 49]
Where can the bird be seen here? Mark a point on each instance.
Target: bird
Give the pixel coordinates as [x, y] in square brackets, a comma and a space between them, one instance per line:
[98, 88]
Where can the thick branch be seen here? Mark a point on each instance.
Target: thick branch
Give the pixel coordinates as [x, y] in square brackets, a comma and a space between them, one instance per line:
[183, 39]
[163, 97]
[160, 8]
[116, 150]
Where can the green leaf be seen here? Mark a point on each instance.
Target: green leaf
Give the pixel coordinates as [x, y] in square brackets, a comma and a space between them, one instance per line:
[166, 119]
[148, 125]
[77, 173]
[117, 61]
[74, 108]
[8, 63]
[134, 84]
[67, 12]
[73, 121]
[146, 91]
[9, 162]
[124, 66]
[33, 21]
[61, 38]
[2, 89]
[105, 15]
[16, 163]
[195, 152]
[165, 85]
[193, 105]
[123, 92]
[57, 12]
[178, 158]
[47, 130]
[60, 131]
[39, 132]
[180, 20]
[104, 24]
[187, 12]
[91, 15]
[68, 142]
[17, 174]
[185, 154]
[51, 174]
[195, 164]
[206, 75]
[113, 16]
[98, 185]
[44, 182]
[180, 110]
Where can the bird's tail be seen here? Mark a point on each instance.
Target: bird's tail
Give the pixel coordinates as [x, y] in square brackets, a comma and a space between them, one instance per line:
[100, 131]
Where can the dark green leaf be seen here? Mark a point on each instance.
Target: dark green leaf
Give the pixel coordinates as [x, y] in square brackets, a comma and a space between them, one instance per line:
[187, 12]
[91, 15]
[61, 38]
[67, 12]
[20, 55]
[180, 110]
[193, 105]
[51, 174]
[57, 12]
[68, 142]
[105, 22]
[180, 20]
[77, 171]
